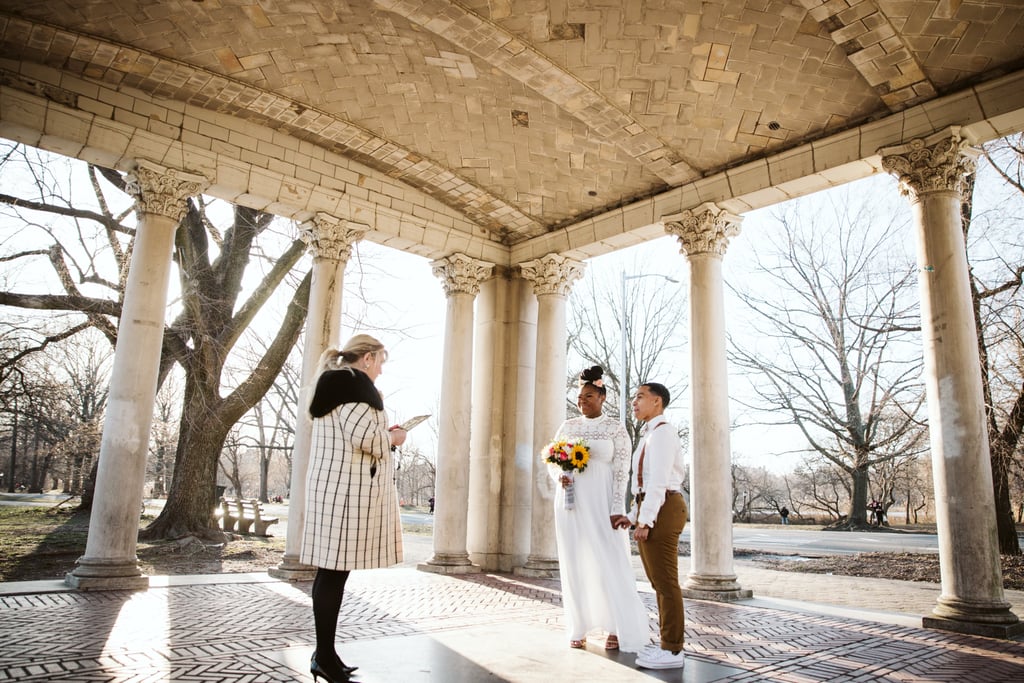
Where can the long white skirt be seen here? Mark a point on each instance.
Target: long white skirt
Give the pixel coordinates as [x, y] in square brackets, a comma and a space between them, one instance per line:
[598, 583]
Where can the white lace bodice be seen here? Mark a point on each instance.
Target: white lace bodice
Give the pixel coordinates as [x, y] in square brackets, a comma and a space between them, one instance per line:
[609, 445]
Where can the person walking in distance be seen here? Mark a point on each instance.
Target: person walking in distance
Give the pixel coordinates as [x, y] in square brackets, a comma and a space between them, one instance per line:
[659, 513]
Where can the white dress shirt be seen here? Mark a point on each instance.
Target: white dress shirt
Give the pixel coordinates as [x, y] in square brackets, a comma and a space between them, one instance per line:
[664, 469]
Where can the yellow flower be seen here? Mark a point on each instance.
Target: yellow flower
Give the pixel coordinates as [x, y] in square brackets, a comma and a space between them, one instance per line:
[568, 455]
[580, 456]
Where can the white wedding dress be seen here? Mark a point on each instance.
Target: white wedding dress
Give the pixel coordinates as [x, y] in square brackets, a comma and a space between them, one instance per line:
[598, 583]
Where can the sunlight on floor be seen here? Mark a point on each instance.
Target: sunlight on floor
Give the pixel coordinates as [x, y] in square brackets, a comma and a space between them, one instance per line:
[290, 592]
[143, 623]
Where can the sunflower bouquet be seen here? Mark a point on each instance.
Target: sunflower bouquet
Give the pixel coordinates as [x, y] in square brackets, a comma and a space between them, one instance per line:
[570, 457]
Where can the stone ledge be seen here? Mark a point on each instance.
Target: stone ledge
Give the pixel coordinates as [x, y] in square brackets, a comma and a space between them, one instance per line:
[718, 595]
[974, 628]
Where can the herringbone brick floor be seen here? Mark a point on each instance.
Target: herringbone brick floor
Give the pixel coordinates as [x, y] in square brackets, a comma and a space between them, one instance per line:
[408, 626]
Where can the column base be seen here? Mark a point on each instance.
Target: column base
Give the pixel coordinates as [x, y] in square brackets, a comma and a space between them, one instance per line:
[106, 575]
[716, 588]
[290, 569]
[448, 564]
[538, 568]
[974, 628]
[992, 619]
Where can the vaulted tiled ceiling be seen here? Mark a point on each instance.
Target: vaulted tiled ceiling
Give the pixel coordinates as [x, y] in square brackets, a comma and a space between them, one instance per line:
[528, 115]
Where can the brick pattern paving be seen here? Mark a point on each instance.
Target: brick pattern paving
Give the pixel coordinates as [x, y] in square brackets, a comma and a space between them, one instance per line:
[229, 632]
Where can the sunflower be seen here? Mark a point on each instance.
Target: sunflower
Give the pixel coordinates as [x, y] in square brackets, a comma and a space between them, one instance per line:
[568, 455]
[580, 456]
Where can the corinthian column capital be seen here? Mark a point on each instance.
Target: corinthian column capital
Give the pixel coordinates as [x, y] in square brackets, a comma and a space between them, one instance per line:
[162, 190]
[552, 274]
[937, 163]
[705, 229]
[461, 274]
[331, 237]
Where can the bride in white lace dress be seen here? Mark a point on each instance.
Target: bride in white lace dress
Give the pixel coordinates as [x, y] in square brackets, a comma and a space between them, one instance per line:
[598, 582]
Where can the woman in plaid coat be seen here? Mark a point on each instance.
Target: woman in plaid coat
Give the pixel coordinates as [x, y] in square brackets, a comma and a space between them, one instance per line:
[352, 515]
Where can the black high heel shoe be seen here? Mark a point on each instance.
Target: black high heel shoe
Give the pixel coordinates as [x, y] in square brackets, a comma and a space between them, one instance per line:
[342, 675]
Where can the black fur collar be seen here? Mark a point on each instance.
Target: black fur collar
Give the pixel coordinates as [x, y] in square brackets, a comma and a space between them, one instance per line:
[348, 385]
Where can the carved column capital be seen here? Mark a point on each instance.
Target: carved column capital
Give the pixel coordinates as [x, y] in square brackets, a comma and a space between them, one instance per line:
[705, 229]
[461, 274]
[162, 190]
[937, 163]
[331, 237]
[552, 274]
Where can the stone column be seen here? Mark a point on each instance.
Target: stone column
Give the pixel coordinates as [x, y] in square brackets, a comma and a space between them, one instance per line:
[330, 239]
[517, 499]
[931, 173]
[489, 407]
[502, 435]
[552, 277]
[704, 234]
[462, 277]
[109, 561]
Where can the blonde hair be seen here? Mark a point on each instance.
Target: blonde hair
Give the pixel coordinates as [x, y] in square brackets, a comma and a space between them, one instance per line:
[354, 349]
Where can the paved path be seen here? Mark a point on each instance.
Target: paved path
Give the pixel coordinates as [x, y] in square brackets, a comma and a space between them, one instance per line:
[408, 626]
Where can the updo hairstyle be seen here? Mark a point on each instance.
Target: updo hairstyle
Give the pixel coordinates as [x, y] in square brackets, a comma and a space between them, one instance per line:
[592, 376]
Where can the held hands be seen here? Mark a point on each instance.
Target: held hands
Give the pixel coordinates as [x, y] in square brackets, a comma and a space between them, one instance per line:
[565, 480]
[397, 435]
[620, 522]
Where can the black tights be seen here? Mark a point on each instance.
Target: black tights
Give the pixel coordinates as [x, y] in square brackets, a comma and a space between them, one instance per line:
[328, 591]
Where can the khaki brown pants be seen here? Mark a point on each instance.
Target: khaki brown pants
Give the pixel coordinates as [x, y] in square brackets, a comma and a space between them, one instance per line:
[660, 557]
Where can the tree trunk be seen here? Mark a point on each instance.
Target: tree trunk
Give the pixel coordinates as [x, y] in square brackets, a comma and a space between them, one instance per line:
[12, 473]
[192, 497]
[89, 490]
[1005, 526]
[159, 488]
[858, 518]
[264, 475]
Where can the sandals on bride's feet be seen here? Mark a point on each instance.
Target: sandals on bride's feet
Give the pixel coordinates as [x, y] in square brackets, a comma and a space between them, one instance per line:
[578, 644]
[612, 642]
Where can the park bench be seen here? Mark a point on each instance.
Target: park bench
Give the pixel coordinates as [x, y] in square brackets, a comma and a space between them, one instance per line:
[243, 515]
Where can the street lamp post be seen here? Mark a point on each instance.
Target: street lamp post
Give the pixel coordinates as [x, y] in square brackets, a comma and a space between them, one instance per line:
[624, 383]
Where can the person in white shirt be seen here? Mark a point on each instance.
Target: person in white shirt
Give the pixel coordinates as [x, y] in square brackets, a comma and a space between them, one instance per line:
[659, 514]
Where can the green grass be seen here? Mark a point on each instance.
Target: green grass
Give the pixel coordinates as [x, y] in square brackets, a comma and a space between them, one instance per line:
[44, 538]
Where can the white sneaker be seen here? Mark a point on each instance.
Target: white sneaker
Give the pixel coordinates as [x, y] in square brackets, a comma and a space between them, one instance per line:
[660, 659]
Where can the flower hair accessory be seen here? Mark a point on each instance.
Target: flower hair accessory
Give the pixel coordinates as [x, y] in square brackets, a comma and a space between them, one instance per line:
[595, 382]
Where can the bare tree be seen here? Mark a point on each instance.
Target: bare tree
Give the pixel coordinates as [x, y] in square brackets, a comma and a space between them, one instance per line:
[164, 437]
[757, 492]
[997, 265]
[58, 393]
[415, 477]
[85, 362]
[821, 487]
[271, 422]
[654, 314]
[89, 258]
[832, 347]
[231, 462]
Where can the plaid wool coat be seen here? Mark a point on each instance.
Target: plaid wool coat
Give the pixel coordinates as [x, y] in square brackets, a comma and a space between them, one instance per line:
[352, 515]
